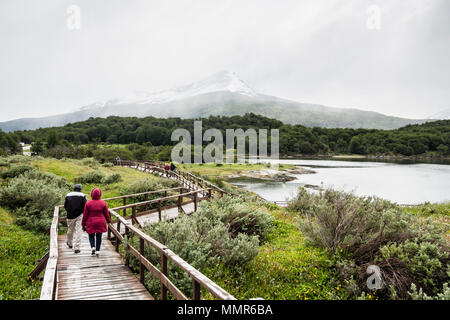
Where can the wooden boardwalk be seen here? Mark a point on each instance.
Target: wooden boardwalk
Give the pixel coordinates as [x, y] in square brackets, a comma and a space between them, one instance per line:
[85, 277]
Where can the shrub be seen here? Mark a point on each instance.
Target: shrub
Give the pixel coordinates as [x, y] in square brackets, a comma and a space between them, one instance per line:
[18, 159]
[370, 231]
[238, 216]
[90, 177]
[48, 178]
[113, 178]
[203, 239]
[108, 165]
[3, 162]
[32, 198]
[16, 171]
[90, 162]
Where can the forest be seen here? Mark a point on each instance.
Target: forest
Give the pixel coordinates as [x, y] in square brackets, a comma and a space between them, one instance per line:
[81, 139]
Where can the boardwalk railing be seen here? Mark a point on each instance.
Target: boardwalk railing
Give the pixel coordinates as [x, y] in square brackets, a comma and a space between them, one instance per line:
[51, 276]
[198, 279]
[188, 179]
[164, 204]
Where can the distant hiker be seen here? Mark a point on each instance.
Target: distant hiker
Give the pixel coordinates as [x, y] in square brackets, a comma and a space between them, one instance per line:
[166, 167]
[102, 160]
[172, 167]
[118, 160]
[95, 216]
[74, 205]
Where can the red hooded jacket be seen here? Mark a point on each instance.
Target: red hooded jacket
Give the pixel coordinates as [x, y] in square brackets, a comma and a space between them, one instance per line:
[95, 214]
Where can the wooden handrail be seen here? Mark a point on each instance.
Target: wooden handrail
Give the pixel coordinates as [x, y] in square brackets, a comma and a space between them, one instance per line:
[48, 290]
[176, 196]
[185, 175]
[198, 278]
[140, 194]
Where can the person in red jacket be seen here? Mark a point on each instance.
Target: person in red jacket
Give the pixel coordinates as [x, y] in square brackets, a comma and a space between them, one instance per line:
[95, 216]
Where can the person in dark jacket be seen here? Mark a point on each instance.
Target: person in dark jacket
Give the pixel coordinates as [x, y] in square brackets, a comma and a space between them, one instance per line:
[74, 205]
[95, 217]
[172, 167]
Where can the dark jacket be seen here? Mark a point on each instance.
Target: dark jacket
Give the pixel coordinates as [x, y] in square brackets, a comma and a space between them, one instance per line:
[172, 167]
[74, 204]
[95, 214]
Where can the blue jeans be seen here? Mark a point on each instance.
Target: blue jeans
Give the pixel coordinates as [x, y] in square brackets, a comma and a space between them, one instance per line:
[95, 240]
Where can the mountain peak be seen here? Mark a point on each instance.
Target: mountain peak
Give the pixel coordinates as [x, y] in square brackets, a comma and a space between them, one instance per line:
[223, 81]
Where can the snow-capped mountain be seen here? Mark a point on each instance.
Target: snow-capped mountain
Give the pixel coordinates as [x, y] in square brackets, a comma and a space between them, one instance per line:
[223, 93]
[224, 81]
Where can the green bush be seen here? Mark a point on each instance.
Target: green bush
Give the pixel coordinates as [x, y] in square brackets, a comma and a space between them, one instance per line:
[90, 162]
[32, 198]
[3, 162]
[90, 177]
[48, 178]
[113, 178]
[16, 171]
[18, 159]
[203, 239]
[370, 231]
[240, 217]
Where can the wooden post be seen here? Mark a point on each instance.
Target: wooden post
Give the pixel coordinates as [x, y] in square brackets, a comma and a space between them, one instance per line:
[133, 214]
[195, 290]
[163, 271]
[195, 201]
[127, 259]
[146, 199]
[117, 239]
[180, 200]
[209, 193]
[159, 211]
[141, 265]
[124, 204]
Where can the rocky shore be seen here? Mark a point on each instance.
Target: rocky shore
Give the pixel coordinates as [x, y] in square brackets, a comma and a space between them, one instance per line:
[271, 174]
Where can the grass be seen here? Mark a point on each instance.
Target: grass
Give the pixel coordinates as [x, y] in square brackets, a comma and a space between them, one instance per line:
[284, 269]
[19, 249]
[70, 169]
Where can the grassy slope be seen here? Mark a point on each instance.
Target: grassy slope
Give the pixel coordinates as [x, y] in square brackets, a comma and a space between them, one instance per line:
[18, 251]
[70, 169]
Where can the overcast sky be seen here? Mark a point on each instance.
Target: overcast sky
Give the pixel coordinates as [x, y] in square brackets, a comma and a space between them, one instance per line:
[332, 52]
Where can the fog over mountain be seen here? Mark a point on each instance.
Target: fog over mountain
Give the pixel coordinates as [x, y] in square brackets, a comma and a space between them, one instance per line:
[385, 56]
[442, 115]
[223, 93]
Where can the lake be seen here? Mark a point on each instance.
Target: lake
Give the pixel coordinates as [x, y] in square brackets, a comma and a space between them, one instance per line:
[410, 183]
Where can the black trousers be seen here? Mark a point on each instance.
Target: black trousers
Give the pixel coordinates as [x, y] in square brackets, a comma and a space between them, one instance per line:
[95, 240]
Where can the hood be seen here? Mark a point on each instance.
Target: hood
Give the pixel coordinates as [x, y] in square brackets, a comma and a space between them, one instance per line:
[96, 194]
